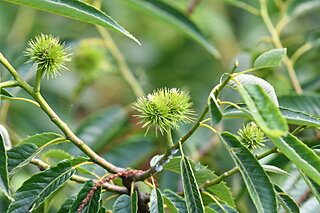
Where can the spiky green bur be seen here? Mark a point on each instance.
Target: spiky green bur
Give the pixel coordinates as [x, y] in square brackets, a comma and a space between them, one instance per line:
[164, 109]
[251, 136]
[48, 53]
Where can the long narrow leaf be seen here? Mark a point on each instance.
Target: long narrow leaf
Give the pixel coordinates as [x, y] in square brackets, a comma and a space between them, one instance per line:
[286, 201]
[263, 110]
[156, 201]
[257, 182]
[300, 154]
[4, 181]
[292, 116]
[172, 16]
[36, 189]
[190, 187]
[28, 148]
[75, 9]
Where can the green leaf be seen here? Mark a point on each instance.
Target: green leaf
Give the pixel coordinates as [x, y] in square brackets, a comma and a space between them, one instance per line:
[308, 103]
[37, 188]
[75, 9]
[100, 128]
[122, 204]
[170, 206]
[274, 169]
[27, 149]
[134, 202]
[224, 209]
[246, 79]
[292, 116]
[210, 210]
[264, 112]
[300, 154]
[202, 175]
[92, 205]
[216, 115]
[156, 201]
[315, 188]
[4, 180]
[177, 19]
[257, 182]
[177, 201]
[57, 154]
[272, 58]
[190, 187]
[66, 205]
[286, 201]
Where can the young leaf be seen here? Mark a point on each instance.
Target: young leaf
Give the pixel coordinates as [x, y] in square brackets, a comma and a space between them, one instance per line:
[177, 201]
[300, 154]
[272, 58]
[4, 181]
[134, 202]
[257, 182]
[37, 188]
[246, 79]
[170, 15]
[122, 204]
[100, 128]
[21, 155]
[156, 201]
[292, 116]
[224, 209]
[190, 187]
[93, 204]
[215, 112]
[4, 94]
[264, 112]
[75, 9]
[286, 201]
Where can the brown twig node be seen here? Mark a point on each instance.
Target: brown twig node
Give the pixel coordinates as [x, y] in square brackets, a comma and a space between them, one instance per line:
[101, 182]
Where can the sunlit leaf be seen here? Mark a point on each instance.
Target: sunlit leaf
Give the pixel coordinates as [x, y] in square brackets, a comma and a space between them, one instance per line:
[272, 58]
[75, 9]
[263, 110]
[257, 182]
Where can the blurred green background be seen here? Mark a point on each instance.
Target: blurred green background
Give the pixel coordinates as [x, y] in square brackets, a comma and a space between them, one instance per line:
[166, 58]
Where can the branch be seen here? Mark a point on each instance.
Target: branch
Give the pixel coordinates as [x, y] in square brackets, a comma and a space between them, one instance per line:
[277, 43]
[79, 179]
[11, 83]
[55, 119]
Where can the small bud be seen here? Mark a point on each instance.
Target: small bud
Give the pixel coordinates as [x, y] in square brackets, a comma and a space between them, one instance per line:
[48, 53]
[251, 136]
[90, 62]
[164, 109]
